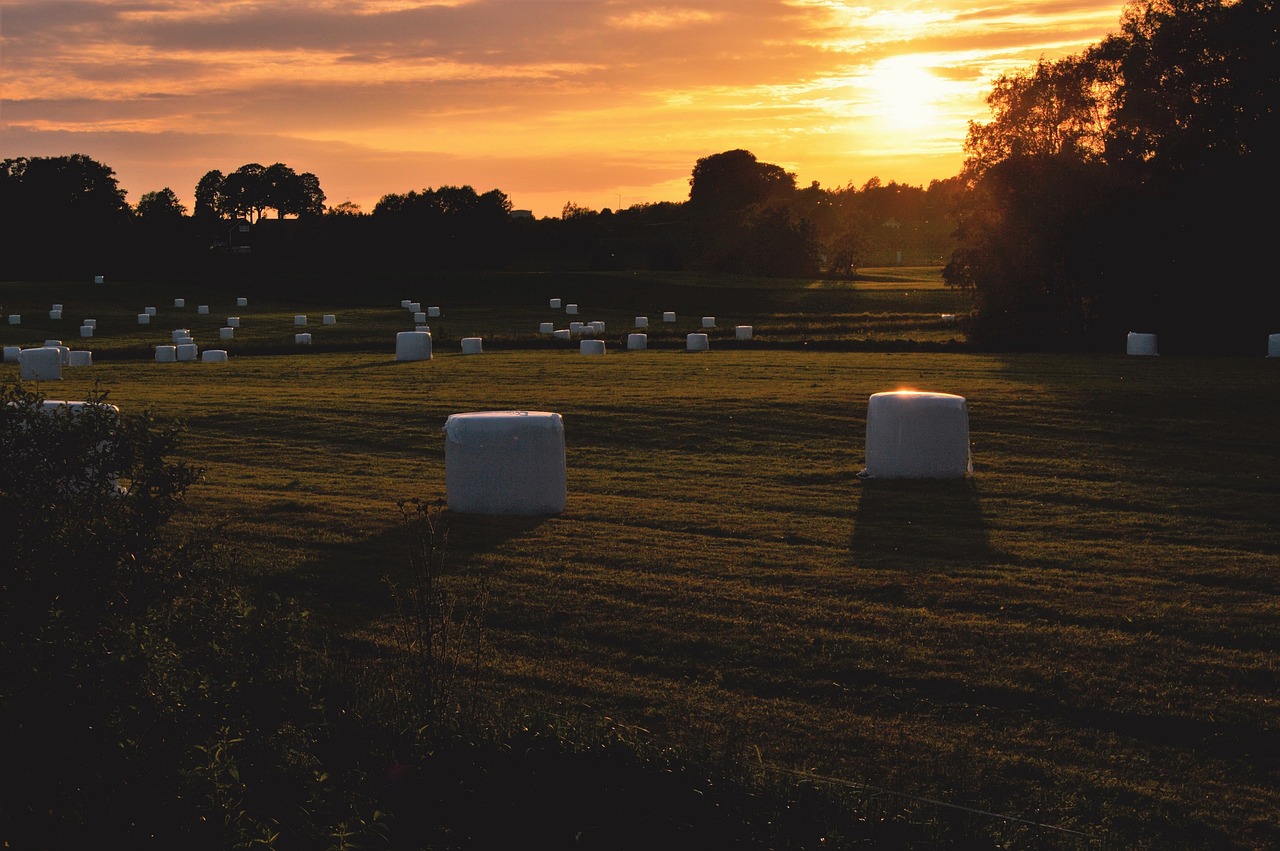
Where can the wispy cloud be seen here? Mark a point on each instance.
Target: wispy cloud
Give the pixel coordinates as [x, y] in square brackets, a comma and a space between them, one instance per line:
[548, 100]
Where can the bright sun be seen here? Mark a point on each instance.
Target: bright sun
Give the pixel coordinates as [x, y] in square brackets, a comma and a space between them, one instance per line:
[906, 95]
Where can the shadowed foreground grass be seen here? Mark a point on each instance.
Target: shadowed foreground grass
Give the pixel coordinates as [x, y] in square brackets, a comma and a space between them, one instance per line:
[1082, 635]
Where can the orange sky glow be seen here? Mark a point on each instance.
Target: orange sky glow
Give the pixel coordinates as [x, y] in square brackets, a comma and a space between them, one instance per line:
[603, 103]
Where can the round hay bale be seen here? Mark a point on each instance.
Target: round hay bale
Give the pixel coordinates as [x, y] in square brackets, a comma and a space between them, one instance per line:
[917, 435]
[1141, 344]
[472, 345]
[697, 343]
[505, 463]
[40, 364]
[166, 354]
[413, 345]
[591, 347]
[637, 342]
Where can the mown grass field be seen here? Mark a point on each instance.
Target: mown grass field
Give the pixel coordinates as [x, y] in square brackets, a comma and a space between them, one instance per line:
[1081, 637]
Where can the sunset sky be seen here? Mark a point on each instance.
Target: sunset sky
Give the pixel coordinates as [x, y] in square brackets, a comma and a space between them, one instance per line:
[605, 103]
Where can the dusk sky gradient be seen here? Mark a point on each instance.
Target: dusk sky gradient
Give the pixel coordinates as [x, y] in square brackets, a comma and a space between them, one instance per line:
[604, 103]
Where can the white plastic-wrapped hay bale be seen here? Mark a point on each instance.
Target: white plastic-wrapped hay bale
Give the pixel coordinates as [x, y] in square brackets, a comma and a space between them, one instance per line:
[144, 318]
[186, 352]
[226, 333]
[55, 314]
[300, 319]
[433, 311]
[636, 342]
[642, 322]
[404, 302]
[591, 347]
[743, 332]
[414, 307]
[329, 319]
[166, 354]
[213, 356]
[697, 343]
[913, 434]
[303, 339]
[79, 357]
[505, 463]
[423, 328]
[179, 302]
[86, 330]
[98, 279]
[562, 334]
[1273, 345]
[546, 327]
[57, 305]
[597, 326]
[202, 309]
[92, 323]
[150, 311]
[179, 333]
[669, 316]
[233, 321]
[65, 352]
[708, 322]
[15, 318]
[1140, 344]
[40, 364]
[11, 353]
[571, 309]
[53, 343]
[413, 345]
[420, 317]
[576, 327]
[554, 303]
[242, 302]
[183, 340]
[472, 345]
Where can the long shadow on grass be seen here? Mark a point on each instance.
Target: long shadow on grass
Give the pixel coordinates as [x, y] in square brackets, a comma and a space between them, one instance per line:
[350, 585]
[919, 524]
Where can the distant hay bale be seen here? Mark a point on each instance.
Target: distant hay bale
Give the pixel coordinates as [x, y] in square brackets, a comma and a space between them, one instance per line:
[150, 311]
[413, 345]
[40, 364]
[166, 354]
[303, 339]
[1140, 344]
[179, 302]
[697, 343]
[233, 321]
[642, 322]
[1273, 345]
[186, 352]
[708, 322]
[743, 332]
[636, 342]
[571, 309]
[11, 353]
[554, 303]
[669, 316]
[55, 314]
[546, 327]
[433, 311]
[79, 357]
[144, 318]
[300, 319]
[226, 333]
[86, 330]
[15, 318]
[242, 302]
[472, 345]
[591, 347]
[213, 356]
[202, 309]
[329, 319]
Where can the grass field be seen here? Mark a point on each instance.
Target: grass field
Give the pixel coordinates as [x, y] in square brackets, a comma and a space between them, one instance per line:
[1082, 637]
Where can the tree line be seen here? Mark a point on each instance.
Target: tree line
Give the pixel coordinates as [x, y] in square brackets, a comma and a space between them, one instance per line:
[1124, 188]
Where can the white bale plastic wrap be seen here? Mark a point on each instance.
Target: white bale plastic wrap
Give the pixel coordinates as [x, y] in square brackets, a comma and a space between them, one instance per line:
[202, 309]
[179, 302]
[53, 343]
[743, 332]
[913, 434]
[426, 329]
[150, 311]
[330, 319]
[413, 345]
[300, 319]
[554, 303]
[597, 326]
[92, 323]
[571, 309]
[505, 462]
[404, 302]
[472, 345]
[415, 307]
[80, 357]
[420, 317]
[11, 353]
[226, 333]
[591, 347]
[187, 352]
[242, 302]
[166, 354]
[55, 314]
[144, 318]
[213, 356]
[669, 316]
[42, 364]
[708, 322]
[303, 339]
[15, 318]
[642, 322]
[179, 333]
[86, 330]
[636, 342]
[433, 312]
[546, 327]
[1140, 344]
[56, 306]
[98, 279]
[562, 334]
[233, 321]
[1273, 345]
[697, 343]
[576, 327]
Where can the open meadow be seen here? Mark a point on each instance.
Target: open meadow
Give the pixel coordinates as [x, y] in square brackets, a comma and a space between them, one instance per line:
[1075, 647]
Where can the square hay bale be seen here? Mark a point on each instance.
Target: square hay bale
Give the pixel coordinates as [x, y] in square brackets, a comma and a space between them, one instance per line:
[505, 463]
[913, 434]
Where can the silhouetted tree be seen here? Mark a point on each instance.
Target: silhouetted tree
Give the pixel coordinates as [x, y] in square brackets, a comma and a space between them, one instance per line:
[734, 180]
[161, 206]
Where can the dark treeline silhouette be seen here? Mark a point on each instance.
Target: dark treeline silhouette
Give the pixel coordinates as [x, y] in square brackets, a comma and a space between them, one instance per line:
[1125, 188]
[743, 216]
[1129, 188]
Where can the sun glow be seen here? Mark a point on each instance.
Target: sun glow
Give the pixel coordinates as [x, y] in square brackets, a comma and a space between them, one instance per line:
[906, 96]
